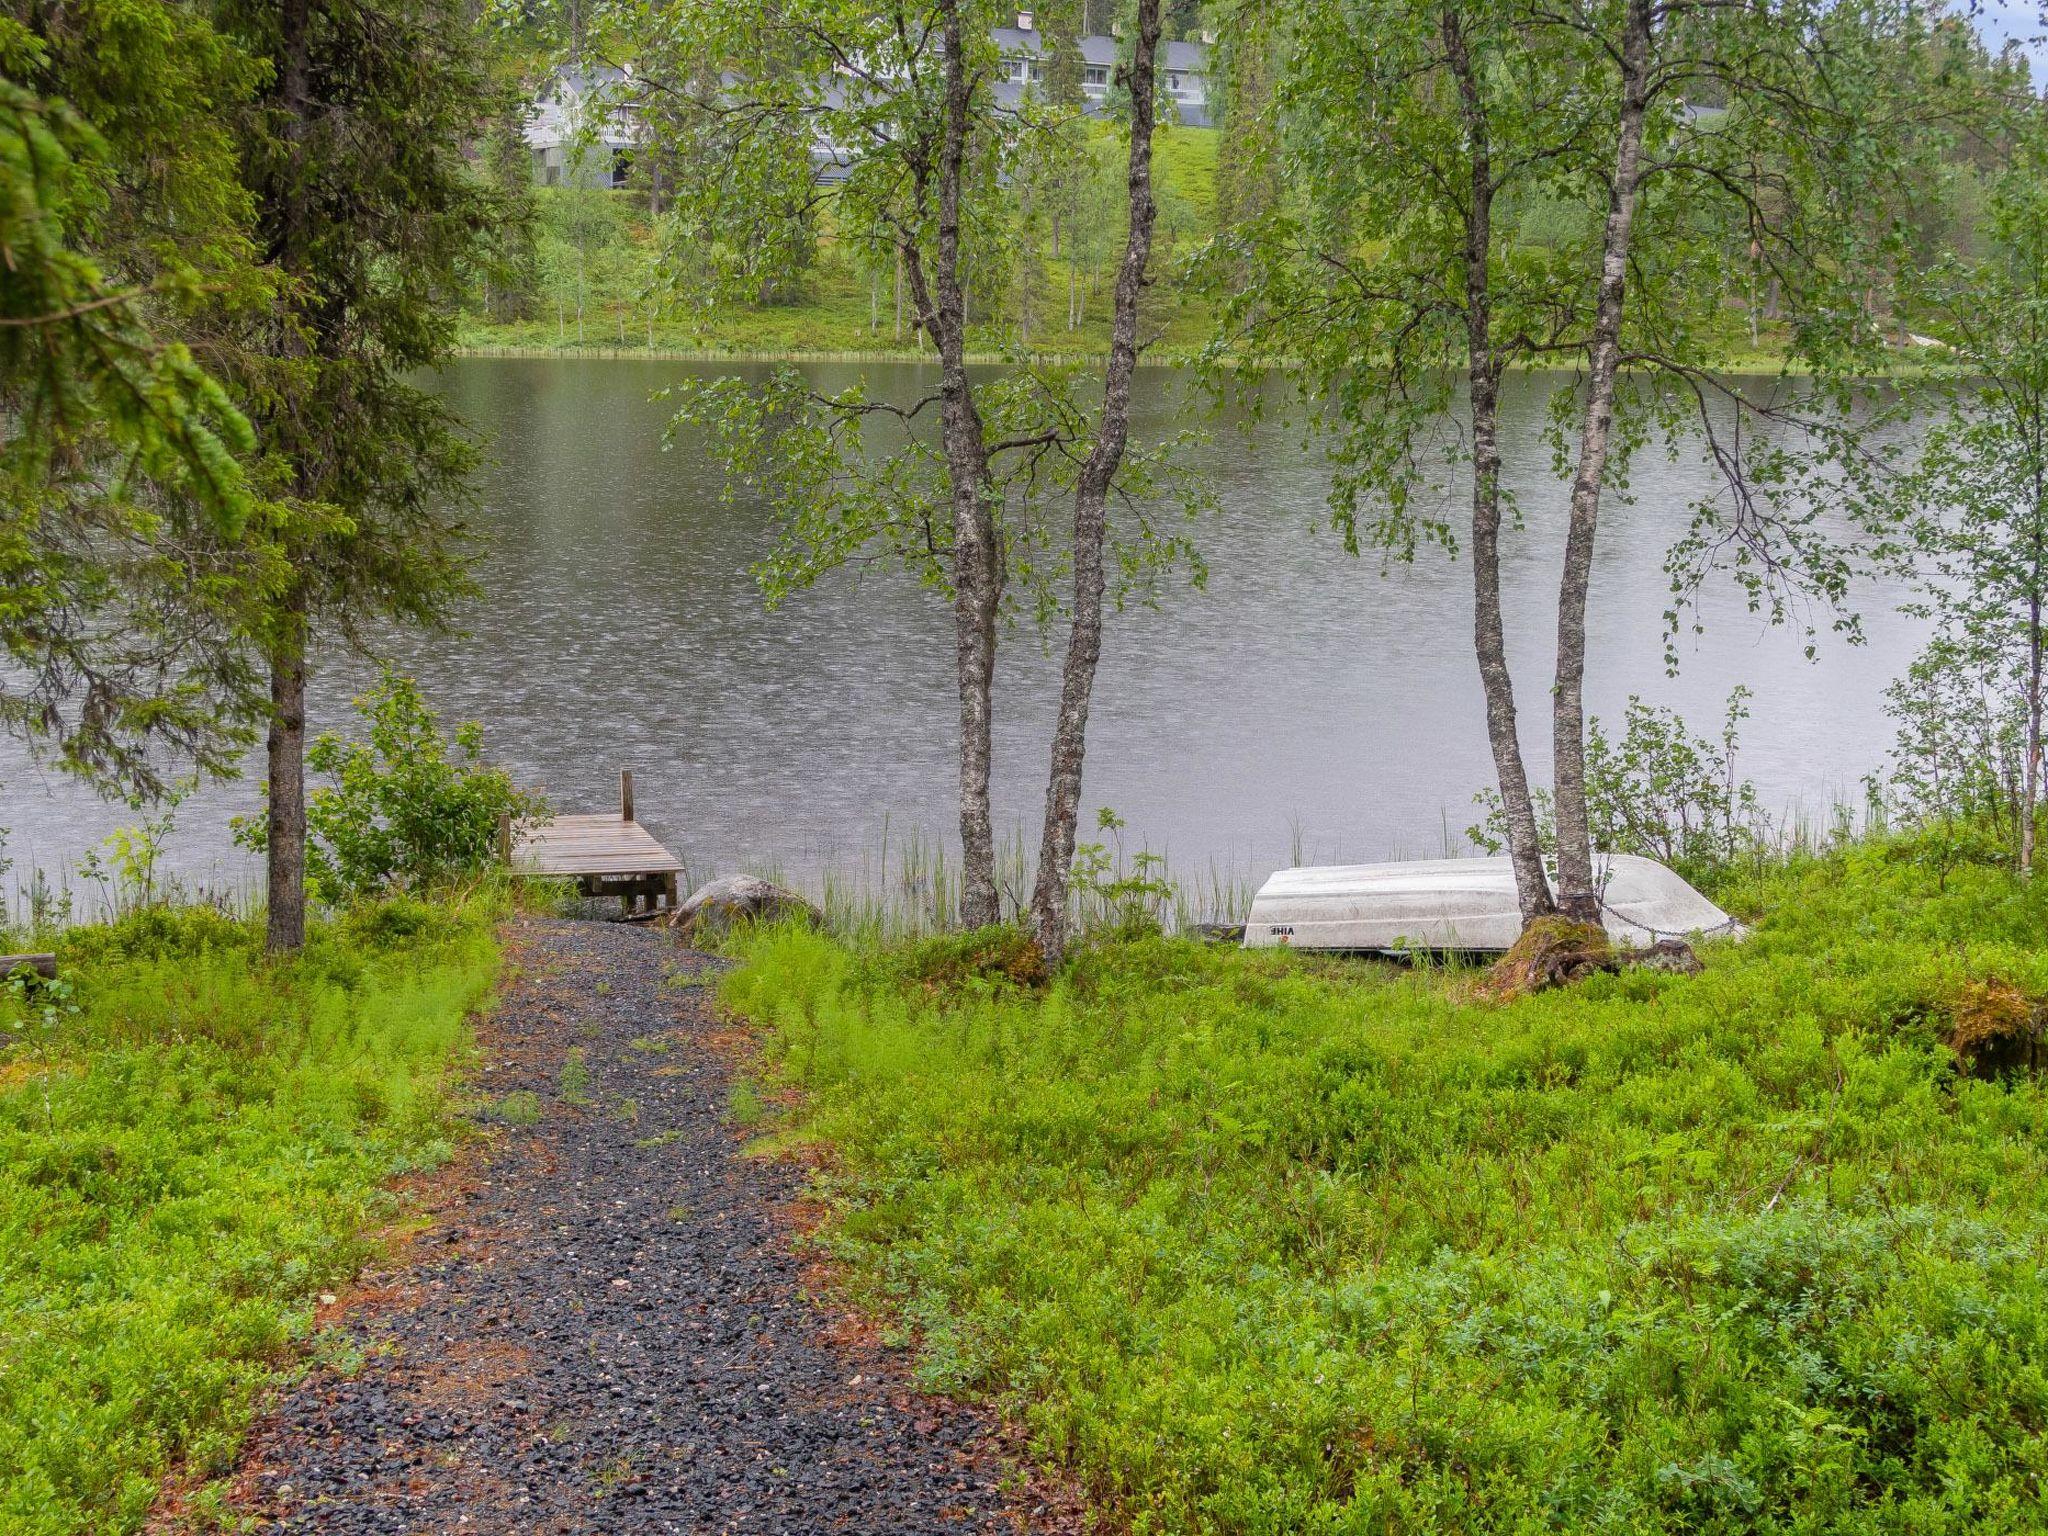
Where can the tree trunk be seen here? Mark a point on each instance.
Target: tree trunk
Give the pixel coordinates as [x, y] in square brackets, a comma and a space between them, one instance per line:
[1525, 847]
[1091, 519]
[2031, 791]
[285, 853]
[1578, 893]
[285, 742]
[977, 547]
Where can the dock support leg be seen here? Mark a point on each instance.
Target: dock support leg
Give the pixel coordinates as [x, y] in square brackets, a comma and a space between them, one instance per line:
[625, 794]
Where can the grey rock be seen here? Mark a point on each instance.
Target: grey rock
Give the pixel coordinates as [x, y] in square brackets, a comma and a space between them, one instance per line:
[1665, 955]
[715, 908]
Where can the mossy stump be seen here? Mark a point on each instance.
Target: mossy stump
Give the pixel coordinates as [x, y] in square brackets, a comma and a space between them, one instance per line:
[1557, 951]
[1996, 1028]
[1552, 952]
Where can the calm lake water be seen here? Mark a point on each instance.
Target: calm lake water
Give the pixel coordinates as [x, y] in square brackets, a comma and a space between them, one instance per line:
[1302, 700]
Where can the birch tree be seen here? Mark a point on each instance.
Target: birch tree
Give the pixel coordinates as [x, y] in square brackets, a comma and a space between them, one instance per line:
[1094, 482]
[897, 102]
[1821, 94]
[1482, 187]
[895, 110]
[1978, 494]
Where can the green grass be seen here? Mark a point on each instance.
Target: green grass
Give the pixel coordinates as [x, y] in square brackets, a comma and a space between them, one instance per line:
[840, 312]
[1259, 1243]
[575, 1077]
[185, 1162]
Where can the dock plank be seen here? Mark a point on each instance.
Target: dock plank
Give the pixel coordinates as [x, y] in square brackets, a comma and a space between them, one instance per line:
[591, 845]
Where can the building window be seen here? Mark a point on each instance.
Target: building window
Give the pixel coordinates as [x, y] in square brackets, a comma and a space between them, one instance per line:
[1095, 77]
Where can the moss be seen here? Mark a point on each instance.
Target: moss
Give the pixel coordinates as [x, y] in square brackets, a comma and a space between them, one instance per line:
[1552, 952]
[1995, 1027]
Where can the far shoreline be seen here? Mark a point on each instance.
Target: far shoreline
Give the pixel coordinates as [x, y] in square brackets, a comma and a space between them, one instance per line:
[612, 352]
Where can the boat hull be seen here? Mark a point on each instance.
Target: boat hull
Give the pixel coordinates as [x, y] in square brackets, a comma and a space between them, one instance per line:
[1461, 904]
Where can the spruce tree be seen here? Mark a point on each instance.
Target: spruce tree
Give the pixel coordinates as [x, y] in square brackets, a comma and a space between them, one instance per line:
[369, 213]
[124, 496]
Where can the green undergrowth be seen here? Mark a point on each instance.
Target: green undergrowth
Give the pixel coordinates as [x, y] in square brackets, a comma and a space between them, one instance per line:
[193, 1142]
[1252, 1242]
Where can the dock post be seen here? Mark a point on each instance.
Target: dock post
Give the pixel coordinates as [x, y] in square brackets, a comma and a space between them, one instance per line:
[625, 794]
[505, 838]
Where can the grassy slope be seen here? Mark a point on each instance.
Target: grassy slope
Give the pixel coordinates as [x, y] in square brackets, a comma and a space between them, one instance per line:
[184, 1164]
[1259, 1244]
[835, 316]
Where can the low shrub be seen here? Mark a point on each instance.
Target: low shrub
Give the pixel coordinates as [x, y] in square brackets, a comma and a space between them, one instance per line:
[999, 955]
[190, 1150]
[407, 809]
[1249, 1244]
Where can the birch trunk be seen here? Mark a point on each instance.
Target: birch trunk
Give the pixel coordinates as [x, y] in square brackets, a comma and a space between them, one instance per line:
[2031, 792]
[1578, 894]
[977, 549]
[1525, 848]
[1091, 516]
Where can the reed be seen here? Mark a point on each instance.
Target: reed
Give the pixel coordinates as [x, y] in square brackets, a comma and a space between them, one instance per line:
[901, 882]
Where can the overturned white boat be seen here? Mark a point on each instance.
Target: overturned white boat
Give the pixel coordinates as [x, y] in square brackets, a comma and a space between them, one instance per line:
[1462, 904]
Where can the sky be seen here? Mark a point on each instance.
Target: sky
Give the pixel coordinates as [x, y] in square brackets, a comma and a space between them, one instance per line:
[1998, 20]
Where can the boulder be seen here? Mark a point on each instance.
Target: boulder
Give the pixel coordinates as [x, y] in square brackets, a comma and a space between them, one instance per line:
[715, 908]
[1674, 955]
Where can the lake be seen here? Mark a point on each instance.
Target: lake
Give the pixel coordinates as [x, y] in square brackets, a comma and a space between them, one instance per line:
[1303, 702]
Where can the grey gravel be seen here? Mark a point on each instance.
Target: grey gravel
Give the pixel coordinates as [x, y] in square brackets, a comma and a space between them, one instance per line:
[607, 1327]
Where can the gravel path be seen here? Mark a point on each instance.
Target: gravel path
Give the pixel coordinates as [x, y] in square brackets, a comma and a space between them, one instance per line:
[604, 1328]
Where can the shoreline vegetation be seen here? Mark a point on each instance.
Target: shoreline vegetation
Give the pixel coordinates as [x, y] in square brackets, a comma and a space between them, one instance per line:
[1263, 1241]
[478, 347]
[198, 1145]
[508, 342]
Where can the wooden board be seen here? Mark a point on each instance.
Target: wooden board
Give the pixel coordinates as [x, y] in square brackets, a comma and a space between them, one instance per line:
[593, 846]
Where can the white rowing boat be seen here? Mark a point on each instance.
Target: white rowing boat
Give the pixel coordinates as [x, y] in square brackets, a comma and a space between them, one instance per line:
[1462, 904]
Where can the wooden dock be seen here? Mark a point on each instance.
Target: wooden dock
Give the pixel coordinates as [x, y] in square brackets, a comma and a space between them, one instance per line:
[606, 855]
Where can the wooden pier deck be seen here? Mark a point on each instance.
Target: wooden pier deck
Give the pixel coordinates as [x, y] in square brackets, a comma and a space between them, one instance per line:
[606, 854]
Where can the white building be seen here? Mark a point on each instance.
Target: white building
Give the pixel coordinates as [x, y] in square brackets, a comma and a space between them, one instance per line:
[579, 133]
[582, 130]
[1183, 69]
